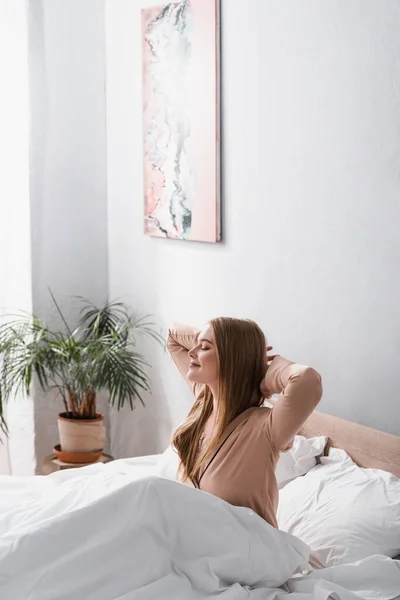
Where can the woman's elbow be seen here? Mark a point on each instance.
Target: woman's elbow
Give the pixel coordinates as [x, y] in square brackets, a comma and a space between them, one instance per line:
[171, 343]
[312, 380]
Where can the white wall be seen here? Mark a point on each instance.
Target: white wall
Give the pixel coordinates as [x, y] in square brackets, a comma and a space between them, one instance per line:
[311, 173]
[17, 453]
[68, 169]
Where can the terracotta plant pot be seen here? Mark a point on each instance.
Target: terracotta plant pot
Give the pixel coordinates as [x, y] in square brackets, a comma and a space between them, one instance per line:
[81, 458]
[81, 435]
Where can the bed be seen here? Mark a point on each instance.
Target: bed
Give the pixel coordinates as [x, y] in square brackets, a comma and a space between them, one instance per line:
[377, 456]
[123, 532]
[368, 447]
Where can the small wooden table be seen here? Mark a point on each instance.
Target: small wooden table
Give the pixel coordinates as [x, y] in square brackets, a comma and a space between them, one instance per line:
[51, 463]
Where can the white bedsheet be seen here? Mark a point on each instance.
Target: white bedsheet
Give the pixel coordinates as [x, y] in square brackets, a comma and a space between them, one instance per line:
[117, 532]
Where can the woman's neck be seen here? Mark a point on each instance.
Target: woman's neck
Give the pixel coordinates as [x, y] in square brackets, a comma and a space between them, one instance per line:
[214, 391]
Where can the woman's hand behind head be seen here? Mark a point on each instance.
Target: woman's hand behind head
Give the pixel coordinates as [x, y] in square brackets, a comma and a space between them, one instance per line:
[263, 386]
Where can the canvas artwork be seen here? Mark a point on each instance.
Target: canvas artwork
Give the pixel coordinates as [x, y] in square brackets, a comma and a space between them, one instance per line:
[181, 120]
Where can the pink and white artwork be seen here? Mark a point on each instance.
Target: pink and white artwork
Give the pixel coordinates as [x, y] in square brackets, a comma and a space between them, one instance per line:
[181, 120]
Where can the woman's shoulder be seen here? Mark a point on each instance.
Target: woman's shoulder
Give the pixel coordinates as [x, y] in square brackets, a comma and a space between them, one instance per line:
[252, 418]
[260, 419]
[258, 426]
[259, 416]
[261, 411]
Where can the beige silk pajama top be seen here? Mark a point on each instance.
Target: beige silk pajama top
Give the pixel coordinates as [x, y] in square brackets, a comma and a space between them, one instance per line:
[243, 470]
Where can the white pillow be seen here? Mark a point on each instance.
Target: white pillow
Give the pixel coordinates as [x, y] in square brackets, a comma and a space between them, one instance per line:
[344, 513]
[297, 461]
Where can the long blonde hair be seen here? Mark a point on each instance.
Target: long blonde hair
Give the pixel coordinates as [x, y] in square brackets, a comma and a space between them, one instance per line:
[241, 353]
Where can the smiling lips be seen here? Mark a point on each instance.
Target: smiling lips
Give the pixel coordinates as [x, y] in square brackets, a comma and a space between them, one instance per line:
[193, 365]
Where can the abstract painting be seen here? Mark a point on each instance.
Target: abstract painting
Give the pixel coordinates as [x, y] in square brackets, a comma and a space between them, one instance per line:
[181, 53]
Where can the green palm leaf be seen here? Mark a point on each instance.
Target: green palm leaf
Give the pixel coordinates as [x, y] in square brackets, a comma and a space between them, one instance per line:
[99, 354]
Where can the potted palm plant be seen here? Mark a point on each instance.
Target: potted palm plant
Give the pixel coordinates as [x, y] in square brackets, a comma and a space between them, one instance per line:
[98, 355]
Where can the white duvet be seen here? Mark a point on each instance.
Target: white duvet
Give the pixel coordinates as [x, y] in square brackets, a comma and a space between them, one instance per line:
[117, 532]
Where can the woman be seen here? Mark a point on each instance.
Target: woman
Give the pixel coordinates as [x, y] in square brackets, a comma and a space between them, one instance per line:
[229, 444]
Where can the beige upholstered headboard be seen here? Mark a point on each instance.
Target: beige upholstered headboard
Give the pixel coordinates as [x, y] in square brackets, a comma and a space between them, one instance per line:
[367, 447]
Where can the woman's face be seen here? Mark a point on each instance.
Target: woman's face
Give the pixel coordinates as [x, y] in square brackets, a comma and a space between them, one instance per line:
[203, 366]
